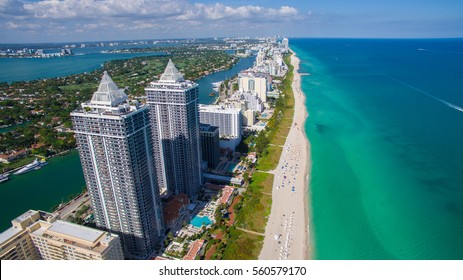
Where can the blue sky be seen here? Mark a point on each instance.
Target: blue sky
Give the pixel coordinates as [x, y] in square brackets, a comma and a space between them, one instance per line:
[90, 20]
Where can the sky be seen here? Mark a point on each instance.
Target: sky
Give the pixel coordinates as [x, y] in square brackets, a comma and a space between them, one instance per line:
[37, 21]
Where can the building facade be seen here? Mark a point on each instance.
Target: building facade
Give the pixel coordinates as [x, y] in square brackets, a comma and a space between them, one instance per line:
[228, 120]
[252, 101]
[210, 149]
[249, 117]
[254, 82]
[285, 43]
[173, 103]
[116, 152]
[15, 242]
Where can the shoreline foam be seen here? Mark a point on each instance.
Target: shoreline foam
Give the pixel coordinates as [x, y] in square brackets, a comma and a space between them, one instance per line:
[287, 234]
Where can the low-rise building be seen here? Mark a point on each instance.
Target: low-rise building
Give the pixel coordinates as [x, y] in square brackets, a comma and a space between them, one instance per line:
[195, 250]
[39, 235]
[15, 242]
[66, 241]
[175, 210]
[7, 158]
[228, 193]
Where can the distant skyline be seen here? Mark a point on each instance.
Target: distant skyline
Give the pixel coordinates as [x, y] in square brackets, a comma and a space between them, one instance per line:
[36, 21]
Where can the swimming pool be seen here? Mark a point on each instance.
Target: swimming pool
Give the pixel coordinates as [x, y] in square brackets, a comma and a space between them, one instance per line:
[200, 221]
[230, 167]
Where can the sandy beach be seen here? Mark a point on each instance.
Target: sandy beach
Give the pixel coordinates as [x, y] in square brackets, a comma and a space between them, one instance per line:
[287, 230]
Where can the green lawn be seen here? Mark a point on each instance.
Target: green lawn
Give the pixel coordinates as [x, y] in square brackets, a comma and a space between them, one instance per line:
[243, 246]
[256, 205]
[270, 158]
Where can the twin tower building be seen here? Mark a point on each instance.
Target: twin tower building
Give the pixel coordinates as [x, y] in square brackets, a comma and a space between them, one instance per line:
[130, 151]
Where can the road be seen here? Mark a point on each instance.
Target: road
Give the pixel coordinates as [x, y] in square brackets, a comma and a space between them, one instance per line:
[74, 205]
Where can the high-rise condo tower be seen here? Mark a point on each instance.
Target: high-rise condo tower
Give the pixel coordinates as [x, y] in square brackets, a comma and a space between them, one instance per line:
[115, 147]
[173, 103]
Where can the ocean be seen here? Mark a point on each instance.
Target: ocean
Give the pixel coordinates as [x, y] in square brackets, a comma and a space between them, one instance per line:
[386, 131]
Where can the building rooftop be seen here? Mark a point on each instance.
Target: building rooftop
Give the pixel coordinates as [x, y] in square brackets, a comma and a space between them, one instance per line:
[253, 74]
[221, 178]
[25, 216]
[218, 109]
[207, 127]
[172, 208]
[108, 93]
[171, 74]
[226, 193]
[194, 249]
[160, 258]
[77, 231]
[9, 233]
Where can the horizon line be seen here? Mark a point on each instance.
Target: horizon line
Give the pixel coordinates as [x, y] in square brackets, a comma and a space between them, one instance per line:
[254, 37]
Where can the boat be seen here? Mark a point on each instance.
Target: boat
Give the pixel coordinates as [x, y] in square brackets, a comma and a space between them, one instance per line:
[216, 85]
[4, 177]
[35, 165]
[212, 94]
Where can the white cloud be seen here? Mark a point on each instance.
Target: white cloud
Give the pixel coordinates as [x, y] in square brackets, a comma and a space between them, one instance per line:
[178, 9]
[219, 11]
[22, 26]
[176, 17]
[63, 9]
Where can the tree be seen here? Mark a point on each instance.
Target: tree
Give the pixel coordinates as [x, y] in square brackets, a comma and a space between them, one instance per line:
[261, 142]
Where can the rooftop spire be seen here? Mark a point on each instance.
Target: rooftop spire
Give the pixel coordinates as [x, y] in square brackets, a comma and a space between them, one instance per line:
[108, 93]
[171, 74]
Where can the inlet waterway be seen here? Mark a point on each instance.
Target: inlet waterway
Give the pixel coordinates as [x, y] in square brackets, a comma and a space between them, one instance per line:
[45, 188]
[41, 189]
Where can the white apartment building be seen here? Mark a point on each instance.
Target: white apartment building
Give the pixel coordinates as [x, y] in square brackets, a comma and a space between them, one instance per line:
[252, 101]
[228, 120]
[254, 82]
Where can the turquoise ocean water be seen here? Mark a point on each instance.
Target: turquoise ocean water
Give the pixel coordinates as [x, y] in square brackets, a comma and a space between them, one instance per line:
[386, 131]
